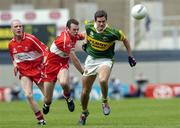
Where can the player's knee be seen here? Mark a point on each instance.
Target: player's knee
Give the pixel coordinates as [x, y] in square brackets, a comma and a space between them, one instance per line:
[103, 82]
[29, 95]
[64, 85]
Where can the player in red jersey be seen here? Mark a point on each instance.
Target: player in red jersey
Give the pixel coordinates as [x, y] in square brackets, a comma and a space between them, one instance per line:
[27, 54]
[57, 64]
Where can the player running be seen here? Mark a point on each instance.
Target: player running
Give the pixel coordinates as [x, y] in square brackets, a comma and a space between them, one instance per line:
[57, 64]
[27, 54]
[100, 49]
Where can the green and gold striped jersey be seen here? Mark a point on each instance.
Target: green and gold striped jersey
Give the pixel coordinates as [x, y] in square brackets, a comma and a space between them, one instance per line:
[101, 45]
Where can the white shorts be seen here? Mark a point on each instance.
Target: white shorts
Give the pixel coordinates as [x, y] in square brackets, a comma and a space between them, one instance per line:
[93, 64]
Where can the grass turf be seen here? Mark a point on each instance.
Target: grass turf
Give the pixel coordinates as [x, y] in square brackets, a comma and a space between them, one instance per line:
[125, 113]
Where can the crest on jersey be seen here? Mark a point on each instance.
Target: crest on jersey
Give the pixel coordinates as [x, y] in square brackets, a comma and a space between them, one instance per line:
[14, 50]
[105, 38]
[91, 34]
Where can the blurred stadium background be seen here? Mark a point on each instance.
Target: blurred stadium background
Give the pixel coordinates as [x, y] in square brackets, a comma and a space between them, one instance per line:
[155, 41]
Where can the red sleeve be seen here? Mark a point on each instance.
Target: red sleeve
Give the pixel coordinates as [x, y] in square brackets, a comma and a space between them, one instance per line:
[38, 45]
[11, 51]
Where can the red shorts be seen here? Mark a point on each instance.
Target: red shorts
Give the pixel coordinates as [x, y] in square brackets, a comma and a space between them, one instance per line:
[52, 67]
[34, 74]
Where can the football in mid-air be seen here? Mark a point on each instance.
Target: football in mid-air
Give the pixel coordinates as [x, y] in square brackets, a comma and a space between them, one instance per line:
[139, 11]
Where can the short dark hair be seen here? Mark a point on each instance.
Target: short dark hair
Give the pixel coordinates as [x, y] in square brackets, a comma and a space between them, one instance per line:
[71, 21]
[100, 13]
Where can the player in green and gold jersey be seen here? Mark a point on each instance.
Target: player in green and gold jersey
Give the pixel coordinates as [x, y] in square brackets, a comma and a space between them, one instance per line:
[100, 49]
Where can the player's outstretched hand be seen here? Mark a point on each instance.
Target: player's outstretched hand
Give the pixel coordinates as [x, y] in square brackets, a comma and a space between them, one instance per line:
[132, 61]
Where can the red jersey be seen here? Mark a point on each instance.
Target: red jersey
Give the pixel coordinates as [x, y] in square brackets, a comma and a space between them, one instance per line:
[64, 43]
[28, 54]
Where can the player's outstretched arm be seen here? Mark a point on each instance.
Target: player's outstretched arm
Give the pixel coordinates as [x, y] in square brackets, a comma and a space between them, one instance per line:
[76, 62]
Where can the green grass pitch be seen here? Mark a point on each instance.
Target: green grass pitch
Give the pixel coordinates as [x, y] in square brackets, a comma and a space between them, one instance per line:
[125, 113]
